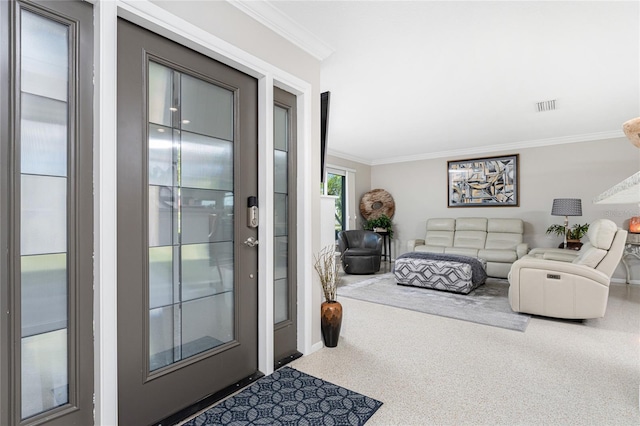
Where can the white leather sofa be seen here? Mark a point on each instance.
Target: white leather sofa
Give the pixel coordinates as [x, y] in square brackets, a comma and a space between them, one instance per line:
[498, 241]
[565, 283]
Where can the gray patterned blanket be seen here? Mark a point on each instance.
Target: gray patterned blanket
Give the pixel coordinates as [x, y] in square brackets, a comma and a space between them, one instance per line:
[478, 274]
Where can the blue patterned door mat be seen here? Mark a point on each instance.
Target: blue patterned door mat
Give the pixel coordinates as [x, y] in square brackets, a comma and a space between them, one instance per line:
[290, 397]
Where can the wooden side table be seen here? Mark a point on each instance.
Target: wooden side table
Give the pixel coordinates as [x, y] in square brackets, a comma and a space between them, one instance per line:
[386, 245]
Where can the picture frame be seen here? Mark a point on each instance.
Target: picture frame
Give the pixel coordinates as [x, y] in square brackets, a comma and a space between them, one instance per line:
[484, 182]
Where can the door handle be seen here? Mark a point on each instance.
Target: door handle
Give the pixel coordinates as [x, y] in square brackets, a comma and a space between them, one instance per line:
[251, 242]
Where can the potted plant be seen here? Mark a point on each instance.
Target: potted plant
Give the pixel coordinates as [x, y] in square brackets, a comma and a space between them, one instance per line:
[574, 234]
[326, 266]
[381, 223]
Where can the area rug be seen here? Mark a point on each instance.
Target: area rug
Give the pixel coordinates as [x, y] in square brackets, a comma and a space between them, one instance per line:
[487, 304]
[290, 397]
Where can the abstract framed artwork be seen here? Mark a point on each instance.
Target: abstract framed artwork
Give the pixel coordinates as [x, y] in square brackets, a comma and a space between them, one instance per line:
[484, 182]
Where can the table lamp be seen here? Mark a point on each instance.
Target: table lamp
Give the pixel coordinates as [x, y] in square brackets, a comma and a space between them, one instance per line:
[566, 207]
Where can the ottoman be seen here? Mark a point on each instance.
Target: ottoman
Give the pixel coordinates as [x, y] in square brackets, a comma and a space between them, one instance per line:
[449, 272]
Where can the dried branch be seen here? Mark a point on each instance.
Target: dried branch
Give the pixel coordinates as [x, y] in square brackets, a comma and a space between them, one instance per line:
[327, 268]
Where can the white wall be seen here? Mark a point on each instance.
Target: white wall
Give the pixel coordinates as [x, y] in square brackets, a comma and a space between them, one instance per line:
[578, 170]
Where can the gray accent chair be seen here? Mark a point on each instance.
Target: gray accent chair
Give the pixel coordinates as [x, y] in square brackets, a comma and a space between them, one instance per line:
[571, 285]
[360, 251]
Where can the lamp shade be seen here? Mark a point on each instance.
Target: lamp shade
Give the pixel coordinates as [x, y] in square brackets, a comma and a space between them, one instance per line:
[567, 207]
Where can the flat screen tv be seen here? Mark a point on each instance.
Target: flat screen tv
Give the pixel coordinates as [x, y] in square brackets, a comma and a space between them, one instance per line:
[324, 122]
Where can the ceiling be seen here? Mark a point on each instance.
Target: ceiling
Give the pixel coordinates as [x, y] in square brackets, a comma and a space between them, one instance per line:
[427, 79]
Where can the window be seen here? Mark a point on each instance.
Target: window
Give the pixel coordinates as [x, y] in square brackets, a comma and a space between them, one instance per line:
[336, 187]
[339, 182]
[46, 209]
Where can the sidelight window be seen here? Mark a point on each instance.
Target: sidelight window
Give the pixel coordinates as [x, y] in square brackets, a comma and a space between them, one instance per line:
[45, 114]
[281, 202]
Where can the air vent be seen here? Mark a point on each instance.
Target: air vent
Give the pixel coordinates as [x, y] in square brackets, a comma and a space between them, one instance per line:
[546, 105]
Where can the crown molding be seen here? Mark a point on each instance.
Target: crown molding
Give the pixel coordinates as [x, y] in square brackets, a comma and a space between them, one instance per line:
[271, 17]
[497, 148]
[481, 150]
[349, 157]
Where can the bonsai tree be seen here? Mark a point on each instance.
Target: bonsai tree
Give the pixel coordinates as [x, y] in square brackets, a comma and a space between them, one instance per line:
[381, 222]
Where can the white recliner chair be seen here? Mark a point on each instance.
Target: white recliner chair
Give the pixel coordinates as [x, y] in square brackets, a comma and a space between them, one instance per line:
[569, 285]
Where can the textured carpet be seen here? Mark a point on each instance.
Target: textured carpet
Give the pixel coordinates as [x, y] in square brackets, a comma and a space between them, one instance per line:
[290, 397]
[487, 304]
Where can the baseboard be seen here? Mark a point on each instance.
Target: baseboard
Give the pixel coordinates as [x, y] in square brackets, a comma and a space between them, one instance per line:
[316, 347]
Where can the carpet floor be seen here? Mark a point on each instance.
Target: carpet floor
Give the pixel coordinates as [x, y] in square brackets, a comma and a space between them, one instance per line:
[431, 370]
[290, 397]
[487, 304]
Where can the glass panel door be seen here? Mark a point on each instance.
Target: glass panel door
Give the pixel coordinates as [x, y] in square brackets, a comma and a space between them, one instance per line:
[336, 186]
[187, 285]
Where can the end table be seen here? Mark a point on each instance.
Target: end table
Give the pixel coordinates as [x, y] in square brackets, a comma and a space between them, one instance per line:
[632, 248]
[386, 245]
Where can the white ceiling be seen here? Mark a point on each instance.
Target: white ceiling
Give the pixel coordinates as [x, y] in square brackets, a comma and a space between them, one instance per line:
[428, 79]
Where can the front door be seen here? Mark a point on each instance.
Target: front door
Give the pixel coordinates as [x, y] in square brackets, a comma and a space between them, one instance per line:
[187, 270]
